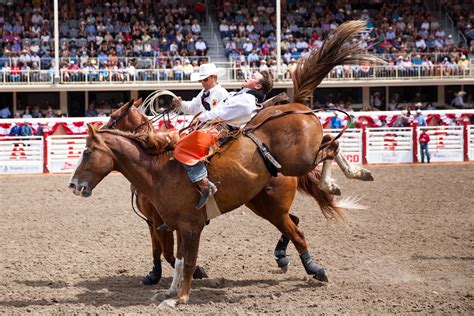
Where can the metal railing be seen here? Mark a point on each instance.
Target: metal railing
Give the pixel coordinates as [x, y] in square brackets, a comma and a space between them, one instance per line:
[26, 77]
[232, 73]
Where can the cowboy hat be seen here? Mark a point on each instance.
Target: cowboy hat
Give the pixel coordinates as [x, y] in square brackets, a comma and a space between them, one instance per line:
[206, 70]
[460, 93]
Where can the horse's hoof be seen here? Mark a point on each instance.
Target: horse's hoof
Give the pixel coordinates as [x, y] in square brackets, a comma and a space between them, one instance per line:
[168, 304]
[163, 296]
[200, 273]
[150, 279]
[334, 190]
[285, 268]
[366, 175]
[283, 263]
[321, 276]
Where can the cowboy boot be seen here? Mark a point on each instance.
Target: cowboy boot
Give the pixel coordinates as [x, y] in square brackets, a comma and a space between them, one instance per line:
[206, 188]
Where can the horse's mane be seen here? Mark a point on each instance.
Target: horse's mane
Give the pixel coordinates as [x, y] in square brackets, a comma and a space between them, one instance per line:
[152, 142]
[343, 48]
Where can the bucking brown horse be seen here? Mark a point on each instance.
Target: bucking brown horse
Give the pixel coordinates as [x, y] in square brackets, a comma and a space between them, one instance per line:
[293, 139]
[277, 196]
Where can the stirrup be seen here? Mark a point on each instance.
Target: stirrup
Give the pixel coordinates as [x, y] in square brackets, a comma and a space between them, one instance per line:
[210, 190]
[164, 227]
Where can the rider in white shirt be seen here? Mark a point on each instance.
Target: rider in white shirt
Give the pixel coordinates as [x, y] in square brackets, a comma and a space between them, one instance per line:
[236, 110]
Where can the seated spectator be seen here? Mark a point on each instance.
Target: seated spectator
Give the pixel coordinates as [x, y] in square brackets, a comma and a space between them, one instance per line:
[335, 122]
[188, 69]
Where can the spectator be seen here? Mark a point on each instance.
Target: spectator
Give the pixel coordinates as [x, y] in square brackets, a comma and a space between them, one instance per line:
[49, 113]
[424, 139]
[188, 69]
[420, 118]
[5, 112]
[91, 111]
[27, 113]
[335, 122]
[26, 130]
[458, 101]
[201, 47]
[15, 130]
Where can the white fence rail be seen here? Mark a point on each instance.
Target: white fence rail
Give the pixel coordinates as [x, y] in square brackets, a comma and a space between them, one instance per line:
[389, 145]
[380, 145]
[350, 144]
[64, 152]
[446, 143]
[470, 142]
[21, 154]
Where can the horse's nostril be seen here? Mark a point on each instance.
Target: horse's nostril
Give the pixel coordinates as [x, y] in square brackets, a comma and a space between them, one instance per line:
[72, 186]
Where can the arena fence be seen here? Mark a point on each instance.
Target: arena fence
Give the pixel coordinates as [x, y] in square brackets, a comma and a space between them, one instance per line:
[350, 144]
[469, 142]
[389, 145]
[60, 154]
[21, 154]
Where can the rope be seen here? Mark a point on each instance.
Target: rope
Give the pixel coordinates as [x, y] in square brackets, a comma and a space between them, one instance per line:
[134, 194]
[149, 102]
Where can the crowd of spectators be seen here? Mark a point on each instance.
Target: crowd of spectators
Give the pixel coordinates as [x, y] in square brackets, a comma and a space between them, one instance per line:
[97, 34]
[404, 32]
[124, 40]
[462, 12]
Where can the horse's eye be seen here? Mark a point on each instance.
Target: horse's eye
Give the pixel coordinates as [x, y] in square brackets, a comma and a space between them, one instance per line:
[86, 153]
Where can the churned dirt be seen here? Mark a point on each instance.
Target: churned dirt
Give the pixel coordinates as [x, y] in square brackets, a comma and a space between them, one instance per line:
[411, 251]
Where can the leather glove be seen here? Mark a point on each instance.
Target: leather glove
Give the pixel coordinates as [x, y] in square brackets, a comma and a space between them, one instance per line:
[176, 103]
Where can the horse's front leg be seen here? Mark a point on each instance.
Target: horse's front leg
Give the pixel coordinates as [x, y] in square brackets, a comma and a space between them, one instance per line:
[189, 244]
[358, 173]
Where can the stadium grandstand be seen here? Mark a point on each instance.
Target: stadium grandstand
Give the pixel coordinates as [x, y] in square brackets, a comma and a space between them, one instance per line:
[111, 51]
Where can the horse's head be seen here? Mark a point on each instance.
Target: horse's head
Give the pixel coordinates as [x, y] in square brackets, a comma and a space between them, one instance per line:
[128, 117]
[95, 163]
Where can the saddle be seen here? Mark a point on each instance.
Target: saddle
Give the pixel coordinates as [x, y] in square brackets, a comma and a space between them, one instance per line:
[205, 141]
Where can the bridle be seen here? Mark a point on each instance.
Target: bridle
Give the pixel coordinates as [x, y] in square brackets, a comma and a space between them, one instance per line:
[114, 122]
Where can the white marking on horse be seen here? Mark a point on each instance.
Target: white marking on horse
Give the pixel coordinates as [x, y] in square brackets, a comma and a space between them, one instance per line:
[178, 275]
[77, 165]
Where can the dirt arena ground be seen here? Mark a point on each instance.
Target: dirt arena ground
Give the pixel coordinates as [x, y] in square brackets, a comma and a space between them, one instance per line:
[411, 251]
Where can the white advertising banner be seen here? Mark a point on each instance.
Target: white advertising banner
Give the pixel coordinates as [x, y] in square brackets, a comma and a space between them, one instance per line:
[389, 145]
[446, 143]
[20, 154]
[64, 152]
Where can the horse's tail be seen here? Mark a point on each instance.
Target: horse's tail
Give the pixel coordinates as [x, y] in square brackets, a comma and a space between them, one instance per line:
[343, 48]
[331, 209]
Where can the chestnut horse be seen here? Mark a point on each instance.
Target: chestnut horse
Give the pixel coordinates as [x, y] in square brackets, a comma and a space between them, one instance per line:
[277, 196]
[293, 139]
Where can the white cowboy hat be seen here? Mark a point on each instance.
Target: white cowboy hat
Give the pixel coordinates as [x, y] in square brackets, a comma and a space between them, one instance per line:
[460, 93]
[206, 70]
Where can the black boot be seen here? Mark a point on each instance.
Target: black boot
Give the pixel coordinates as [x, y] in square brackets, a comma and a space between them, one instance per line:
[206, 188]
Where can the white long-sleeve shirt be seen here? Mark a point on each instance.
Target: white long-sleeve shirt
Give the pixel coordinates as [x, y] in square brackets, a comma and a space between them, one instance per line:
[216, 95]
[237, 110]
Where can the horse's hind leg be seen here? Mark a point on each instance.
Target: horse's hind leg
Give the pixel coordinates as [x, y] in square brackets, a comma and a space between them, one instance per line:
[273, 204]
[276, 197]
[284, 223]
[327, 155]
[358, 173]
[282, 259]
[147, 209]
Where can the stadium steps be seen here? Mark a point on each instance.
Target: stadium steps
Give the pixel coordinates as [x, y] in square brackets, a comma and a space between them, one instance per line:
[443, 18]
[210, 34]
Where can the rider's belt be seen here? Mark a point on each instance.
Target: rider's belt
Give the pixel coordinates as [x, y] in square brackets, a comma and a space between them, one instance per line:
[270, 162]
